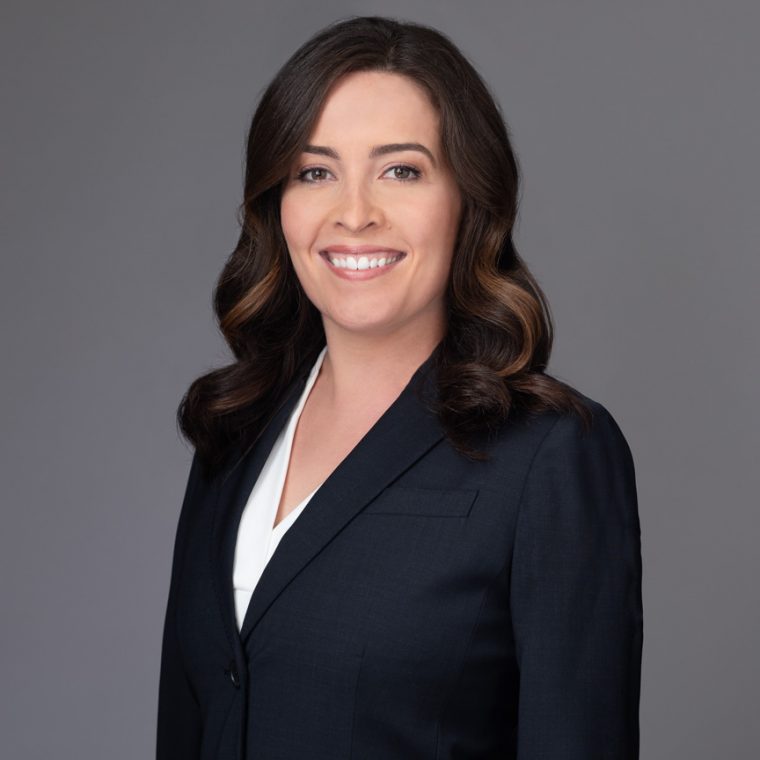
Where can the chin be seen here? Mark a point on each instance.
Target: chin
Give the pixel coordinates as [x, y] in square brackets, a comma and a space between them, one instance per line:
[363, 317]
[362, 325]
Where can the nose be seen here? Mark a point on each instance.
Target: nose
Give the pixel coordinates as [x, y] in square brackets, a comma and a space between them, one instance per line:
[356, 207]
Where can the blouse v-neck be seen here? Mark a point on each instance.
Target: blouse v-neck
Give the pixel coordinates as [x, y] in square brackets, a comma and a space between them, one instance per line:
[257, 536]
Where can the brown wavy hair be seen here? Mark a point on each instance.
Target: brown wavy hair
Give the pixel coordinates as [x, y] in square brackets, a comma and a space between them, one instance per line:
[492, 360]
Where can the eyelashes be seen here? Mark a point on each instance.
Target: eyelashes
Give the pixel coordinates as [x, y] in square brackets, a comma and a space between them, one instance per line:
[414, 173]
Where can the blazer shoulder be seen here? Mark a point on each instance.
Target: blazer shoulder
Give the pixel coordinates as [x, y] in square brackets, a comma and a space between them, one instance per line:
[592, 466]
[602, 433]
[601, 420]
[552, 435]
[604, 429]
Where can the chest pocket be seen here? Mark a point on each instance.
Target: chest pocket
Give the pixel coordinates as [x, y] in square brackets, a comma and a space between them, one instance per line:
[423, 502]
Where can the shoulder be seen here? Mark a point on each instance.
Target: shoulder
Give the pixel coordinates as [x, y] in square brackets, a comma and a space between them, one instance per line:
[592, 430]
[585, 474]
[568, 432]
[589, 427]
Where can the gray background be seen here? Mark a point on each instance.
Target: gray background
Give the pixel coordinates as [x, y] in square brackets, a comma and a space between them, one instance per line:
[123, 124]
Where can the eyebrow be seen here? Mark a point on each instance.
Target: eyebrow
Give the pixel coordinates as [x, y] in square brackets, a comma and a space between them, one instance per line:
[377, 150]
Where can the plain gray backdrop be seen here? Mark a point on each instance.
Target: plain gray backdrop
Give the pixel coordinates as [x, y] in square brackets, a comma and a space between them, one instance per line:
[123, 127]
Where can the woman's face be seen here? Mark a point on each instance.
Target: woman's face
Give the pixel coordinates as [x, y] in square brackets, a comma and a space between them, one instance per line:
[361, 194]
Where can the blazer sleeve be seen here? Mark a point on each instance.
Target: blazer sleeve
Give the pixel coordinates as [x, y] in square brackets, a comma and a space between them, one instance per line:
[179, 720]
[576, 596]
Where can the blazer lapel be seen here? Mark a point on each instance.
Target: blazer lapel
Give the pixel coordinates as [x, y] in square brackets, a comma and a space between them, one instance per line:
[233, 487]
[403, 434]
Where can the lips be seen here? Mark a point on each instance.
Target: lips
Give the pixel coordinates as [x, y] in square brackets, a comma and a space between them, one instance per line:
[361, 262]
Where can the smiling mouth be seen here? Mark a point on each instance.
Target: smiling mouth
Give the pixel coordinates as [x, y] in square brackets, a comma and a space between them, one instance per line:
[363, 261]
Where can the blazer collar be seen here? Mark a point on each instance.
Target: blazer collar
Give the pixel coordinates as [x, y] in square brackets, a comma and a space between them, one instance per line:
[403, 434]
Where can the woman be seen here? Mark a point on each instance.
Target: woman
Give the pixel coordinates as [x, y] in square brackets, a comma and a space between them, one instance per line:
[400, 538]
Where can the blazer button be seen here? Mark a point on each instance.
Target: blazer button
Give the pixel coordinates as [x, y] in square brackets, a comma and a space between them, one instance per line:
[231, 671]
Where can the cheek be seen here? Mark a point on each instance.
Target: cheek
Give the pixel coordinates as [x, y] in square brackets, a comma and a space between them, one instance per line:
[287, 222]
[294, 220]
[433, 229]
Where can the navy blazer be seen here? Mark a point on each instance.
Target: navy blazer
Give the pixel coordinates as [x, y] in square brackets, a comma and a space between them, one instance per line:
[422, 605]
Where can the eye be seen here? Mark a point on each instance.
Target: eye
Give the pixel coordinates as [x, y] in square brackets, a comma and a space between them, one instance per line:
[302, 175]
[315, 174]
[415, 173]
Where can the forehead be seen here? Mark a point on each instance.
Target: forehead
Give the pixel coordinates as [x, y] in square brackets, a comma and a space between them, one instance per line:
[375, 106]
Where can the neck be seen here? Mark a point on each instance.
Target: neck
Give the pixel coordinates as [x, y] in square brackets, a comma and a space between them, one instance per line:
[358, 370]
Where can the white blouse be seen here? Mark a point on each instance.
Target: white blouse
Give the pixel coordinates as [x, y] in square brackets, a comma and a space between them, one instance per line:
[256, 538]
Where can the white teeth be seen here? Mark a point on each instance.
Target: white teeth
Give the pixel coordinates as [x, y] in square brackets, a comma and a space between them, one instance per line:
[363, 262]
